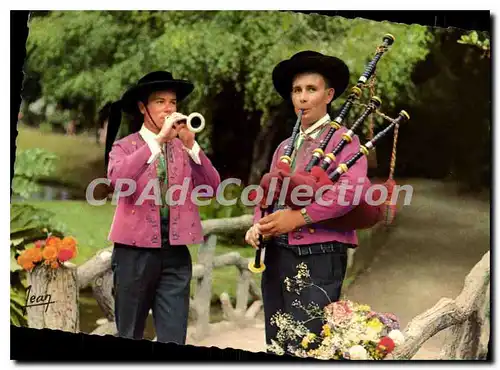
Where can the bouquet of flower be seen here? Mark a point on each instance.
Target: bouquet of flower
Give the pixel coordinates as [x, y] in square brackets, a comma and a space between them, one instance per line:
[350, 331]
[52, 251]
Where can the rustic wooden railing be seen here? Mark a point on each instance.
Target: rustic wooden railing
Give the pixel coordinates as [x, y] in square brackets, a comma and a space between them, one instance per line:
[468, 317]
[65, 283]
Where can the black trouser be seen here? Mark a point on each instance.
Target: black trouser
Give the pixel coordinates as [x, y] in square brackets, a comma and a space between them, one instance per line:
[327, 271]
[157, 279]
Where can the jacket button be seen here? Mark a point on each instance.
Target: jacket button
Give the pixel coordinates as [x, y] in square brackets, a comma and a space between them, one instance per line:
[133, 211]
[133, 242]
[133, 142]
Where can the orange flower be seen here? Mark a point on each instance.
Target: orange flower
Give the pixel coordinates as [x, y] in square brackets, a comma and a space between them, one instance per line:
[21, 259]
[50, 253]
[53, 241]
[33, 254]
[54, 264]
[25, 261]
[28, 266]
[69, 243]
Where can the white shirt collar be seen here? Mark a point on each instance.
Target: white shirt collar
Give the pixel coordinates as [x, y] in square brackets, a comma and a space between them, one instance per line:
[147, 134]
[318, 124]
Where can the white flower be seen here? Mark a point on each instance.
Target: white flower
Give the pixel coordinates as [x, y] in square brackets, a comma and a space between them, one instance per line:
[352, 337]
[397, 337]
[370, 334]
[358, 353]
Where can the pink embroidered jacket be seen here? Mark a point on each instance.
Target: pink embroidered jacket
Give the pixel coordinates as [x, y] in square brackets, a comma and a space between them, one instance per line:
[318, 233]
[139, 225]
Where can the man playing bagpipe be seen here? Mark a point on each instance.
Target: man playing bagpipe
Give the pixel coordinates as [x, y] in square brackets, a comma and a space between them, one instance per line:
[152, 225]
[311, 81]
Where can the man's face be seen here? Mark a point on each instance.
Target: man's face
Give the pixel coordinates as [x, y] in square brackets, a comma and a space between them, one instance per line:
[309, 92]
[161, 104]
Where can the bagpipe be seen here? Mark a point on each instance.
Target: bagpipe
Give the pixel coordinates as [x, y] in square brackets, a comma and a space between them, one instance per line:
[316, 173]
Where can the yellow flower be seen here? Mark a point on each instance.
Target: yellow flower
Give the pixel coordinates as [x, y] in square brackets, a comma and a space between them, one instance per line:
[364, 307]
[375, 324]
[307, 339]
[326, 331]
[305, 342]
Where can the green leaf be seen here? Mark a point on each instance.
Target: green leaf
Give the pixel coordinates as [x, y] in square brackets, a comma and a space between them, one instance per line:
[17, 297]
[14, 266]
[474, 37]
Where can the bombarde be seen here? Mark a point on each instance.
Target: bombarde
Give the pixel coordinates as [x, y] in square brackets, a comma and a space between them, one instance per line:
[195, 122]
[355, 94]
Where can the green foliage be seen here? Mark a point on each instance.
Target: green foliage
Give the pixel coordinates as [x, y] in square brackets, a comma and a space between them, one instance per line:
[17, 301]
[217, 210]
[473, 38]
[29, 223]
[30, 166]
[97, 54]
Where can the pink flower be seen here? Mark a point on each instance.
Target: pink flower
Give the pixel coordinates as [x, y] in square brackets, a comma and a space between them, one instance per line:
[39, 243]
[338, 312]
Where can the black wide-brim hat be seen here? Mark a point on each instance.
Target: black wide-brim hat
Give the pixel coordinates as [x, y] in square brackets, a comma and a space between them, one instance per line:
[154, 81]
[331, 68]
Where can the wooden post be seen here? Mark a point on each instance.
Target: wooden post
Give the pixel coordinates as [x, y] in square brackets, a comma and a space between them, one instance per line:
[52, 298]
[242, 291]
[469, 340]
[203, 294]
[102, 286]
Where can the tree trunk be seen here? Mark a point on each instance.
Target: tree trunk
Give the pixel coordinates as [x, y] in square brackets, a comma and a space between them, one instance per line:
[262, 148]
[52, 299]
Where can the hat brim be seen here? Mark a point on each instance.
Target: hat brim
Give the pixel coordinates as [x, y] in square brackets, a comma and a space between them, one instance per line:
[132, 96]
[332, 68]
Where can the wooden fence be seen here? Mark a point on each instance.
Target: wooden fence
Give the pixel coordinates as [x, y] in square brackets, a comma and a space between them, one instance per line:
[65, 283]
[466, 317]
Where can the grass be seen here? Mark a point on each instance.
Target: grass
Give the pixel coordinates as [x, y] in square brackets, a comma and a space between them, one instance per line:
[81, 159]
[88, 224]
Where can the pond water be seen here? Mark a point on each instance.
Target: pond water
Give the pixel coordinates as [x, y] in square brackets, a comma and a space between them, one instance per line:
[51, 192]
